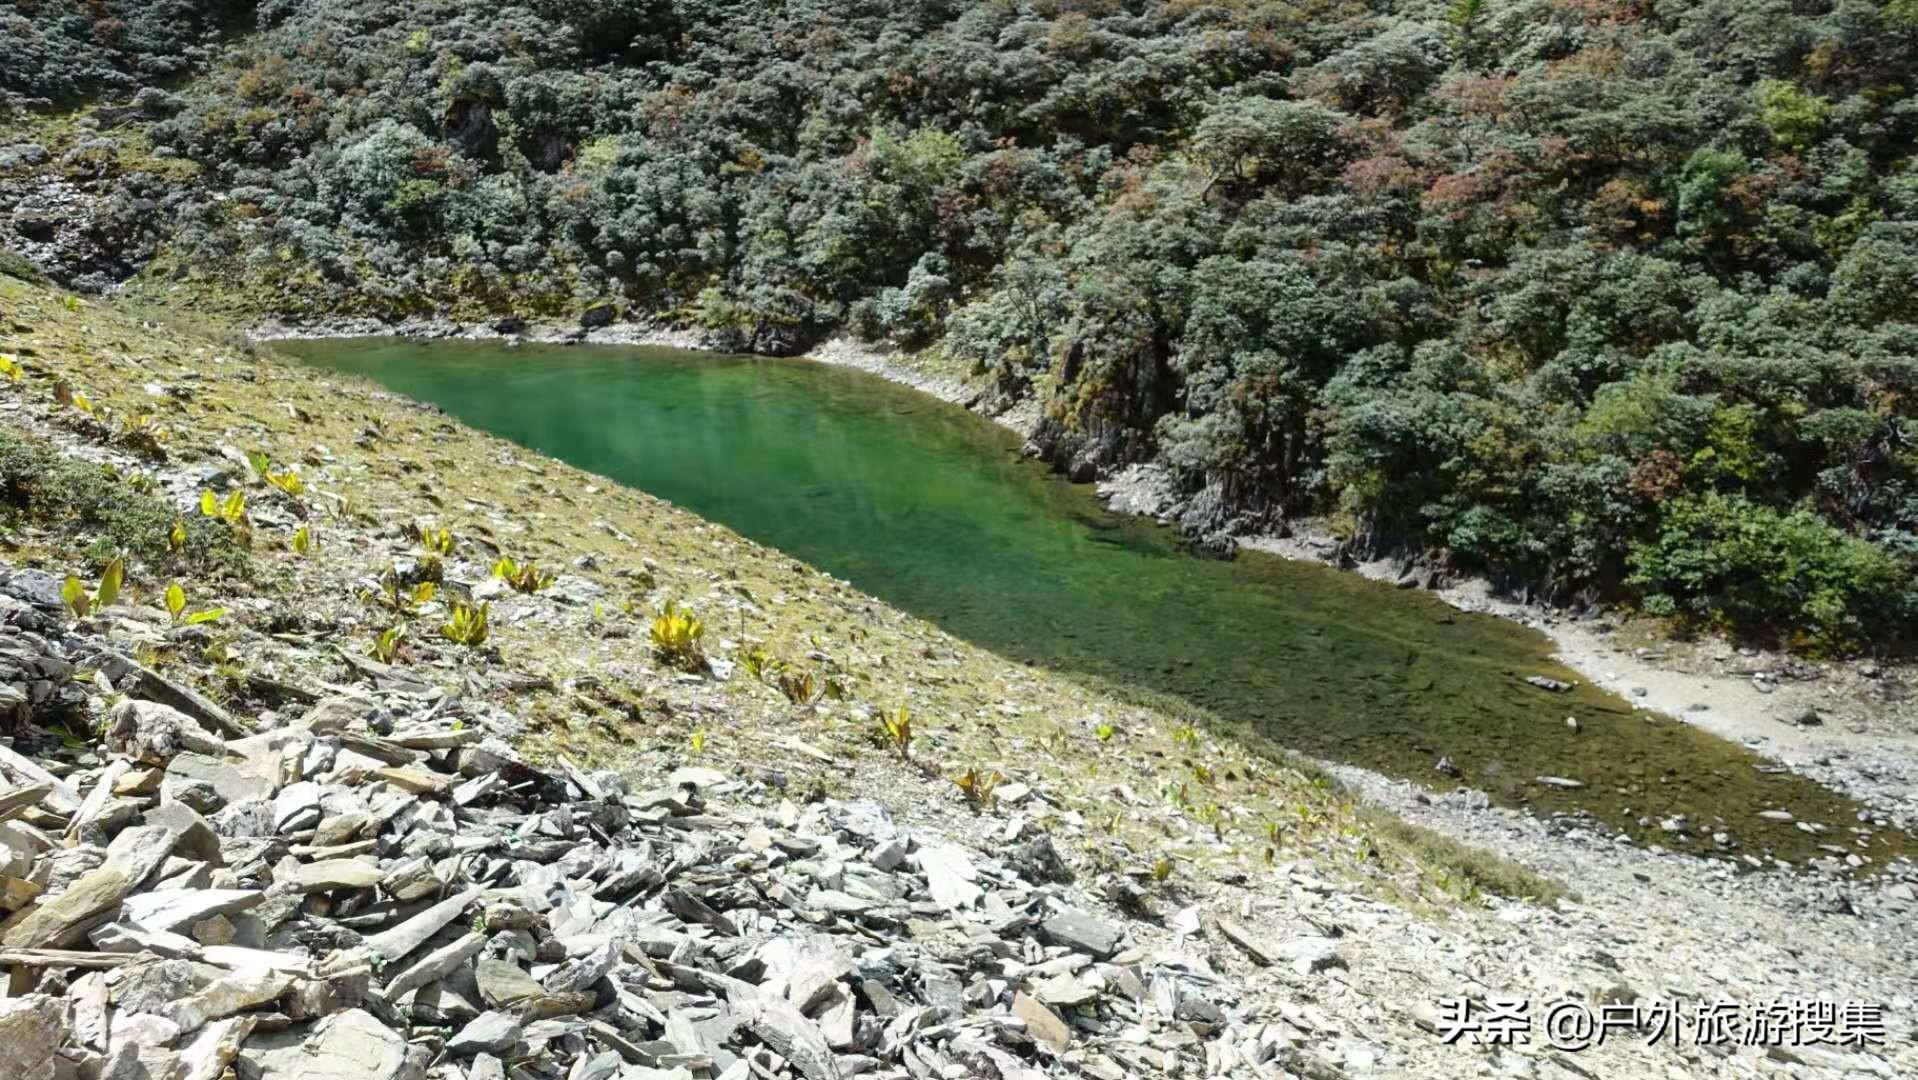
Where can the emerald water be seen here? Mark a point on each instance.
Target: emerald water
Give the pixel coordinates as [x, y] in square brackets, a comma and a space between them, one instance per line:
[931, 509]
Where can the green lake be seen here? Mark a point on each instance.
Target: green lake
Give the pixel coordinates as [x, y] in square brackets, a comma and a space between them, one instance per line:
[933, 510]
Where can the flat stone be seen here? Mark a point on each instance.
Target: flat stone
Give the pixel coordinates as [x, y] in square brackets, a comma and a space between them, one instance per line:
[393, 945]
[233, 782]
[214, 1048]
[1078, 930]
[503, 985]
[949, 876]
[178, 909]
[66, 918]
[1064, 991]
[494, 1032]
[350, 1045]
[326, 875]
[31, 1029]
[297, 807]
[1308, 954]
[435, 965]
[1042, 1024]
[229, 993]
[582, 972]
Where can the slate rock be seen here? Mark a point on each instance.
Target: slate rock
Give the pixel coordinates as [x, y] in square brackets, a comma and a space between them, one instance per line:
[495, 1032]
[31, 1030]
[1086, 933]
[349, 1045]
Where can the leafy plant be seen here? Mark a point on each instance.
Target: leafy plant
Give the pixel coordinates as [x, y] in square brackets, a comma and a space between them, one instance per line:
[405, 599]
[436, 541]
[523, 577]
[1105, 732]
[302, 541]
[10, 367]
[82, 603]
[386, 644]
[800, 687]
[978, 787]
[467, 624]
[175, 598]
[231, 510]
[896, 726]
[676, 634]
[759, 663]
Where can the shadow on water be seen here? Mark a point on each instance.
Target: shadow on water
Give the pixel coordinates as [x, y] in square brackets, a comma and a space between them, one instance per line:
[928, 507]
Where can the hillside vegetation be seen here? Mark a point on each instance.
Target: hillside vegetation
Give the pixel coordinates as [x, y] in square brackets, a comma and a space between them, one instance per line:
[1601, 297]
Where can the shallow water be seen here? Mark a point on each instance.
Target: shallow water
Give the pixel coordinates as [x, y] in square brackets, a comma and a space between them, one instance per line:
[931, 509]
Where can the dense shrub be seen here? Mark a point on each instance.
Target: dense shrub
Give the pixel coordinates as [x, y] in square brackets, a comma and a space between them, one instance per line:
[1728, 561]
[40, 487]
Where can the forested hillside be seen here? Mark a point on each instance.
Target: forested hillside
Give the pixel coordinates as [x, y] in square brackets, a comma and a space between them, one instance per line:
[1594, 295]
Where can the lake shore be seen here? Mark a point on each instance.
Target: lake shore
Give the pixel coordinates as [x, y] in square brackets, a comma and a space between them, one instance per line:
[1862, 742]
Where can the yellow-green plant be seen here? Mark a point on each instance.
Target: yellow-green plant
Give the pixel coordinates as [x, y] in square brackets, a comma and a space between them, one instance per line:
[436, 541]
[82, 602]
[176, 608]
[699, 741]
[287, 481]
[1105, 732]
[896, 726]
[401, 599]
[302, 541]
[386, 646]
[10, 367]
[978, 787]
[759, 663]
[523, 577]
[231, 509]
[176, 536]
[676, 633]
[467, 625]
[800, 687]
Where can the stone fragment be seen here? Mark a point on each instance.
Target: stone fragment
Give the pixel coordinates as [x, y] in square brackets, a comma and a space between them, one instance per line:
[228, 993]
[150, 732]
[66, 918]
[31, 1030]
[1078, 930]
[950, 876]
[178, 909]
[326, 875]
[1308, 954]
[1042, 1024]
[582, 973]
[349, 1045]
[434, 965]
[495, 1032]
[207, 1056]
[393, 945]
